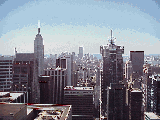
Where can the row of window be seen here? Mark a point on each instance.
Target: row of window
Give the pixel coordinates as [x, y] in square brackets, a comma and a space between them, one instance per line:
[54, 73]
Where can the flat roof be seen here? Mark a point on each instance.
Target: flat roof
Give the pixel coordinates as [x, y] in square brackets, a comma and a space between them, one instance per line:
[50, 111]
[152, 115]
[13, 96]
[77, 88]
[135, 90]
[3, 93]
[8, 109]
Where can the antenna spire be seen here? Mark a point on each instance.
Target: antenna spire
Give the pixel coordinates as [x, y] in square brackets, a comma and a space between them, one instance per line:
[111, 37]
[38, 26]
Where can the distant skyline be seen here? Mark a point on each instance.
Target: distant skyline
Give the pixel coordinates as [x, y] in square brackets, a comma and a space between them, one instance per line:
[67, 24]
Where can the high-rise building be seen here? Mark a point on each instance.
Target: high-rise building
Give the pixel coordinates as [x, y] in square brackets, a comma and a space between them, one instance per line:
[155, 94]
[80, 52]
[135, 104]
[23, 73]
[57, 83]
[116, 95]
[6, 63]
[39, 52]
[137, 59]
[66, 61]
[147, 87]
[38, 66]
[45, 89]
[81, 99]
[112, 68]
[128, 69]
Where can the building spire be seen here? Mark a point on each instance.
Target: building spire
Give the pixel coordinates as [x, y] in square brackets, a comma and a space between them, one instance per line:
[38, 26]
[111, 37]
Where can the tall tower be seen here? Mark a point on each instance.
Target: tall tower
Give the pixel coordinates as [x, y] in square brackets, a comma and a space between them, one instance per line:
[137, 58]
[80, 52]
[112, 68]
[39, 51]
[38, 65]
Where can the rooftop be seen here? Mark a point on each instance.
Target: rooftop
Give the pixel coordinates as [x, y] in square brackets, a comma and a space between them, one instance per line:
[77, 88]
[152, 115]
[10, 108]
[50, 111]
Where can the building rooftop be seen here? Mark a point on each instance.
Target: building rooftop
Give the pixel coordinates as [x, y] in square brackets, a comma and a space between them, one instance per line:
[3, 93]
[136, 90]
[152, 116]
[7, 96]
[8, 109]
[24, 57]
[50, 111]
[77, 88]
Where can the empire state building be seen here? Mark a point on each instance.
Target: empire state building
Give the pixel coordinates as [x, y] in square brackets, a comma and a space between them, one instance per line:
[38, 66]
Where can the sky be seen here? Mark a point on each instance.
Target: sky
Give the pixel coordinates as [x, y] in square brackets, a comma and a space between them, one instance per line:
[67, 24]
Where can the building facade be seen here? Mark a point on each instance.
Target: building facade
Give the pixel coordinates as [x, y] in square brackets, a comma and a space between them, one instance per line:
[81, 99]
[58, 82]
[128, 69]
[80, 52]
[137, 58]
[6, 63]
[116, 95]
[38, 66]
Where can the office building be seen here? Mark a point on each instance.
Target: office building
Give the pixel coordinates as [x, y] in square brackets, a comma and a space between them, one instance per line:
[6, 73]
[81, 99]
[66, 61]
[23, 73]
[112, 68]
[147, 87]
[45, 89]
[155, 104]
[80, 52]
[137, 59]
[58, 80]
[128, 69]
[135, 104]
[116, 95]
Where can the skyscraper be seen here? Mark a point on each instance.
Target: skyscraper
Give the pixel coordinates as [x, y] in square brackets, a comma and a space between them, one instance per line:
[81, 99]
[112, 68]
[38, 66]
[66, 61]
[39, 52]
[80, 52]
[23, 73]
[137, 59]
[116, 95]
[128, 69]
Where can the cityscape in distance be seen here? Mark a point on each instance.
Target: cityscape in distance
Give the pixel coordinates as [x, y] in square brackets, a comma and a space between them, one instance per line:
[84, 60]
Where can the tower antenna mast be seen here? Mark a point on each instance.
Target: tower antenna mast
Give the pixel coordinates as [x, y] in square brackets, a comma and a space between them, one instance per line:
[111, 37]
[38, 26]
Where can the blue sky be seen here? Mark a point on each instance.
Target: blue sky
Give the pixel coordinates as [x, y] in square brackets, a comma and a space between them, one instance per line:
[68, 24]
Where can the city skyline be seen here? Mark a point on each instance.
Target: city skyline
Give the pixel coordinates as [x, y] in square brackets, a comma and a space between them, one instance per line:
[67, 25]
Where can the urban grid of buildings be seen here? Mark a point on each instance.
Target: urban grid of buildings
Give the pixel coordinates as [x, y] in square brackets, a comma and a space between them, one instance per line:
[80, 87]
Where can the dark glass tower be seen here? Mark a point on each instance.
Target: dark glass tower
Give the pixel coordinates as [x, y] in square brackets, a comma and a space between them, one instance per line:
[112, 68]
